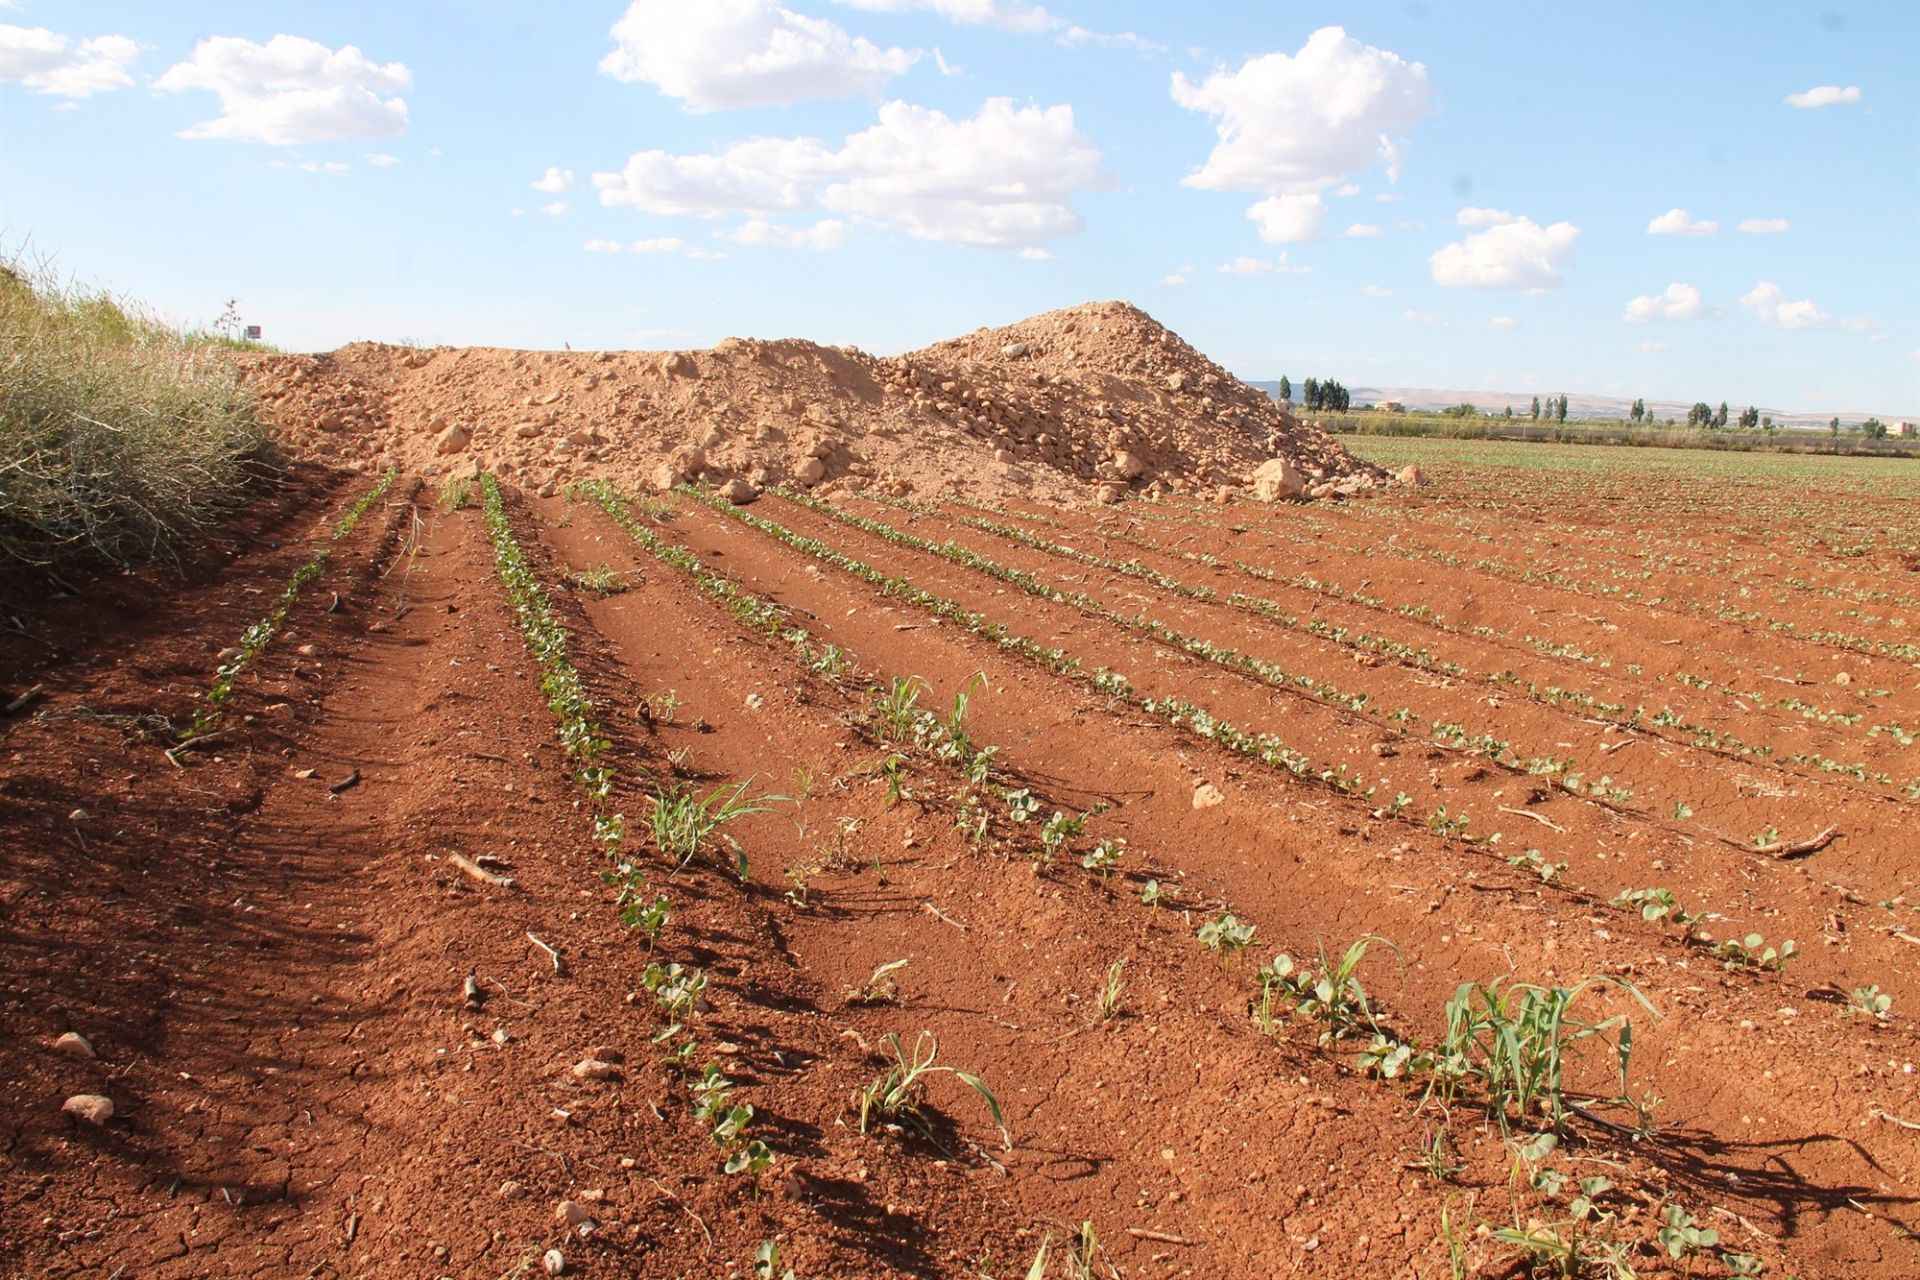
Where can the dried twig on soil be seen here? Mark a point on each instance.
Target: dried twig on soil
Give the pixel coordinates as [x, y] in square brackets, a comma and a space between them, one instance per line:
[941, 916]
[347, 783]
[1141, 1233]
[1543, 821]
[1799, 848]
[19, 704]
[477, 872]
[553, 955]
[195, 743]
[1890, 1118]
[683, 1207]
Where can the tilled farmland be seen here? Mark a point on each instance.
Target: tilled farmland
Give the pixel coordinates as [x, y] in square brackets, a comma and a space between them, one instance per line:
[1507, 876]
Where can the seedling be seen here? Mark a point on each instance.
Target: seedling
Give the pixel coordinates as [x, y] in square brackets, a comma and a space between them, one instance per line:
[881, 987]
[679, 988]
[1870, 1002]
[1151, 894]
[682, 822]
[1655, 905]
[648, 917]
[766, 1263]
[896, 1094]
[1681, 1236]
[894, 769]
[897, 707]
[752, 1160]
[1021, 805]
[661, 707]
[456, 492]
[831, 662]
[1225, 935]
[599, 580]
[1438, 1158]
[1056, 832]
[1534, 862]
[1326, 993]
[1104, 856]
[1752, 952]
[1106, 1001]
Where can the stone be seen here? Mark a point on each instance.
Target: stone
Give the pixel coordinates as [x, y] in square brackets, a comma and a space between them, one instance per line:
[1015, 350]
[553, 1262]
[1277, 480]
[1176, 382]
[90, 1107]
[810, 472]
[573, 1212]
[1111, 493]
[1003, 455]
[665, 477]
[452, 440]
[1411, 476]
[595, 1069]
[677, 364]
[511, 1190]
[738, 492]
[74, 1044]
[527, 430]
[1130, 465]
[1206, 796]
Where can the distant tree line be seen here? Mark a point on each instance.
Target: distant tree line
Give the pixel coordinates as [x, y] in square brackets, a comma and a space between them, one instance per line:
[1555, 410]
[1320, 394]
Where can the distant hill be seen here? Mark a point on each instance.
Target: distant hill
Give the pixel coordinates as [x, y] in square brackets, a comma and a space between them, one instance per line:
[1582, 406]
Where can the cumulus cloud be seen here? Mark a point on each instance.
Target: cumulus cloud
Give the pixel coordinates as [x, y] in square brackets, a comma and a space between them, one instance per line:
[1770, 304]
[1174, 279]
[331, 168]
[1510, 252]
[1678, 222]
[714, 55]
[1003, 178]
[1764, 226]
[381, 160]
[290, 91]
[553, 181]
[1292, 126]
[1363, 231]
[58, 66]
[1677, 302]
[1037, 255]
[829, 233]
[1825, 95]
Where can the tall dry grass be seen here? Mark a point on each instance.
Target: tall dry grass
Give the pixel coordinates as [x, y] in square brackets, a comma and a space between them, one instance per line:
[121, 438]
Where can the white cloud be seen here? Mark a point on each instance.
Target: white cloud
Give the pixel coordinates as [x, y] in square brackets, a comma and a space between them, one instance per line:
[332, 168]
[946, 68]
[1826, 95]
[1677, 302]
[291, 90]
[659, 245]
[1009, 15]
[830, 233]
[714, 55]
[1004, 178]
[1347, 190]
[1764, 226]
[1245, 266]
[1375, 291]
[1770, 304]
[1176, 278]
[555, 208]
[381, 160]
[1387, 197]
[553, 181]
[1652, 348]
[1036, 255]
[1414, 316]
[1505, 324]
[1363, 231]
[1515, 253]
[1472, 217]
[1290, 218]
[1290, 127]
[42, 61]
[1678, 222]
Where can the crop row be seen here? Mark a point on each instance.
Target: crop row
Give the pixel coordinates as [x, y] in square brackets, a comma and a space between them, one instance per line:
[256, 637]
[1419, 658]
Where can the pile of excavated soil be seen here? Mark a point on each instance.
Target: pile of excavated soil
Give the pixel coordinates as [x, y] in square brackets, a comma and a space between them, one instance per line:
[1094, 401]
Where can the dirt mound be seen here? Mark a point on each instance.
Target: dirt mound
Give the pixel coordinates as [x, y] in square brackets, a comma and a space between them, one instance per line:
[1090, 401]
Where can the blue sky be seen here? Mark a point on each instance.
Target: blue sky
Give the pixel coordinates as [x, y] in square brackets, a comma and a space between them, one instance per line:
[890, 172]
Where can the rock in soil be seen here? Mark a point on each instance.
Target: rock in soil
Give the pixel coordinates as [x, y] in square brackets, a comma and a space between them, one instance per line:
[76, 1044]
[90, 1107]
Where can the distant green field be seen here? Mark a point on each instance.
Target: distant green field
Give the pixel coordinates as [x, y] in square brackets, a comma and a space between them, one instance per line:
[1881, 475]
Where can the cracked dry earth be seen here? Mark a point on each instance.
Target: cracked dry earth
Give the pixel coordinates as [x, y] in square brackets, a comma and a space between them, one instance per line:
[267, 945]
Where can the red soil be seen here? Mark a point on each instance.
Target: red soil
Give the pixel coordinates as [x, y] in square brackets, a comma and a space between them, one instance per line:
[269, 964]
